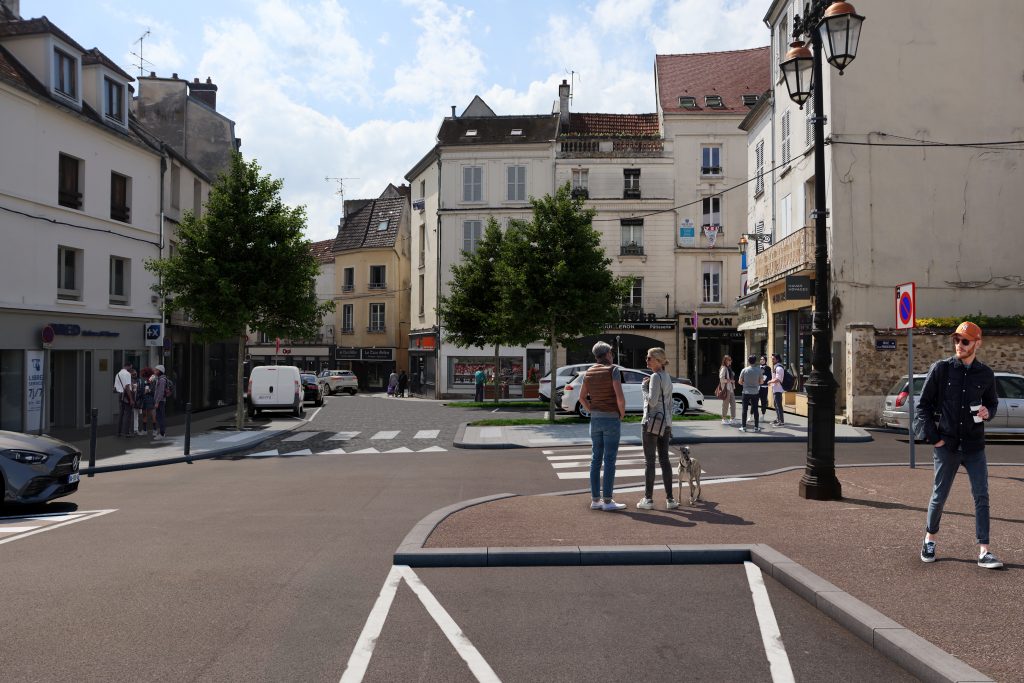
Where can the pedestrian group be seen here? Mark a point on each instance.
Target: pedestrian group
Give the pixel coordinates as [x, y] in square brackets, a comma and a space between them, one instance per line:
[142, 397]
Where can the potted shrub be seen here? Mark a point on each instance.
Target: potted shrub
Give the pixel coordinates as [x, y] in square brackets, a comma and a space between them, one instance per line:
[531, 387]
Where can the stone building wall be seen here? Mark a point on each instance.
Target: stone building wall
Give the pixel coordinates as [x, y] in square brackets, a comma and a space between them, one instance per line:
[871, 372]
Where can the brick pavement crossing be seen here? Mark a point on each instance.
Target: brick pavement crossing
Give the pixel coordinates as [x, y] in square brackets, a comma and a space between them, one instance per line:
[340, 443]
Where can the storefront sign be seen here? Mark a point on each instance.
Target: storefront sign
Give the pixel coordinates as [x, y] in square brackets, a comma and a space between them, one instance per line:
[885, 345]
[798, 287]
[61, 329]
[346, 354]
[33, 389]
[644, 326]
[425, 343]
[717, 320]
[154, 334]
[378, 354]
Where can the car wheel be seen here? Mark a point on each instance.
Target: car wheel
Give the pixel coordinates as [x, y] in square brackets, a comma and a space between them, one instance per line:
[331, 391]
[351, 392]
[319, 402]
[679, 404]
[581, 411]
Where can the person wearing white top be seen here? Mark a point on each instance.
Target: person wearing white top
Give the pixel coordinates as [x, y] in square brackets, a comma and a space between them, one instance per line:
[123, 387]
[775, 382]
[657, 392]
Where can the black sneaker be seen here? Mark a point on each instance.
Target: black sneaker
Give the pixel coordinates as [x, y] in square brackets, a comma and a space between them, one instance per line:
[987, 561]
[928, 552]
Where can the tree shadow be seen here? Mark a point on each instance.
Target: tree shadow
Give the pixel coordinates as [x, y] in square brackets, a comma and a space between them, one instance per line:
[886, 505]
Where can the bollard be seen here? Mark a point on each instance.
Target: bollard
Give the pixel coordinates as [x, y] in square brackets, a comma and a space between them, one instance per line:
[93, 415]
[188, 431]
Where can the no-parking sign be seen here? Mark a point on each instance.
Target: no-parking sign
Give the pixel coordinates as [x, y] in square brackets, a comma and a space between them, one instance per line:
[906, 307]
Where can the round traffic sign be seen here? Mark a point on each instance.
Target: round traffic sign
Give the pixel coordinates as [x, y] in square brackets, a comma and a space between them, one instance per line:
[906, 308]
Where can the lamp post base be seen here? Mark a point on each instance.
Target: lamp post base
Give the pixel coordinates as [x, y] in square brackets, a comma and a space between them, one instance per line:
[820, 488]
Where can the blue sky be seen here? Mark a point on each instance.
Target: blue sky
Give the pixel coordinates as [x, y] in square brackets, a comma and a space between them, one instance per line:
[357, 89]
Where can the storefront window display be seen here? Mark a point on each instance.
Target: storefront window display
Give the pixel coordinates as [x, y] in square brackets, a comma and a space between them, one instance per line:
[793, 342]
[461, 370]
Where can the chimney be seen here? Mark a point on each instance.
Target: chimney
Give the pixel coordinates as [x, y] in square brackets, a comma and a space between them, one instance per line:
[204, 92]
[563, 103]
[453, 111]
[13, 6]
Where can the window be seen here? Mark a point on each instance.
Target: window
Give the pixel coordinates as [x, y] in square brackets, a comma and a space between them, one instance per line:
[516, 132]
[472, 183]
[65, 73]
[809, 201]
[377, 277]
[423, 189]
[423, 245]
[69, 275]
[197, 197]
[785, 138]
[175, 186]
[712, 284]
[382, 226]
[635, 296]
[471, 133]
[347, 326]
[759, 170]
[687, 102]
[632, 242]
[376, 318]
[120, 188]
[69, 188]
[516, 183]
[120, 273]
[710, 160]
[714, 101]
[348, 279]
[785, 213]
[631, 183]
[750, 100]
[113, 100]
[712, 211]
[471, 233]
[423, 281]
[580, 183]
[782, 40]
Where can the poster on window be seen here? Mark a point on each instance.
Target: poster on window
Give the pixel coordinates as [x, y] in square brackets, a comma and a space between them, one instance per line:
[33, 389]
[711, 233]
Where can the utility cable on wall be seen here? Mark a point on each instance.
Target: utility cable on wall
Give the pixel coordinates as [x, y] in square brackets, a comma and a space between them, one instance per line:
[81, 227]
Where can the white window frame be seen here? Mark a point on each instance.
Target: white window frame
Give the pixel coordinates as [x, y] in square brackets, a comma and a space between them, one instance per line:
[786, 137]
[377, 317]
[347, 318]
[348, 279]
[422, 294]
[382, 281]
[113, 110]
[711, 160]
[74, 291]
[631, 183]
[472, 233]
[711, 282]
[632, 233]
[122, 297]
[472, 183]
[785, 216]
[635, 295]
[759, 167]
[423, 245]
[515, 182]
[65, 68]
[711, 210]
[581, 178]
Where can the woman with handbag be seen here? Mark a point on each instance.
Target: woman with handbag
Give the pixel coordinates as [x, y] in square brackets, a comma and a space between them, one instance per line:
[726, 390]
[657, 428]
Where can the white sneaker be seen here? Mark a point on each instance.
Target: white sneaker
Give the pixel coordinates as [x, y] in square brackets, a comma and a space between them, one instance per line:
[596, 505]
[743, 429]
[671, 504]
[612, 506]
[645, 504]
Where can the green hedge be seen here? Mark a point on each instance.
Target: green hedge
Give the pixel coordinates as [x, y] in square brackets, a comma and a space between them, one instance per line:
[985, 322]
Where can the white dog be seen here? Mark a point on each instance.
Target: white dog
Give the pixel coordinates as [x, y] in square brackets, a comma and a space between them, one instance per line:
[691, 466]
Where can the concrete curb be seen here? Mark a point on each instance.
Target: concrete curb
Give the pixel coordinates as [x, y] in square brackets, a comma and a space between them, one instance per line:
[897, 643]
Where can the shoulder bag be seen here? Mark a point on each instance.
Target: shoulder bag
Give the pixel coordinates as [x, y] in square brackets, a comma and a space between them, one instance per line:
[656, 421]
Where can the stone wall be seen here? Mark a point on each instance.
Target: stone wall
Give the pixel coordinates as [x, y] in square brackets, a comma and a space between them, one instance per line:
[870, 372]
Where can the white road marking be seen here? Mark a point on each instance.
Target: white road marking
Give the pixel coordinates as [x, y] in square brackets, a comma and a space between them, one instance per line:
[778, 660]
[400, 449]
[490, 432]
[333, 451]
[433, 449]
[343, 436]
[299, 436]
[304, 451]
[618, 473]
[569, 455]
[477, 664]
[46, 516]
[427, 434]
[361, 653]
[236, 437]
[384, 435]
[263, 454]
[78, 518]
[586, 463]
[16, 529]
[364, 450]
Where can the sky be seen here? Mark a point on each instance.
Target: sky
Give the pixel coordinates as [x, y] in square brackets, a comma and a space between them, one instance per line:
[357, 89]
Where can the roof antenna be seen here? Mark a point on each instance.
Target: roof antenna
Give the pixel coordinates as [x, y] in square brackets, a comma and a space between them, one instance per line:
[572, 83]
[142, 62]
[341, 186]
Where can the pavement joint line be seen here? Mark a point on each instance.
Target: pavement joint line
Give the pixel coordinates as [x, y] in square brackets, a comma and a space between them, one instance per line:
[897, 643]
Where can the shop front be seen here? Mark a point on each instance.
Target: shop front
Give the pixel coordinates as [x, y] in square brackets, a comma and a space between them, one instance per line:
[630, 341]
[306, 357]
[372, 365]
[423, 364]
[714, 337]
[791, 322]
[752, 319]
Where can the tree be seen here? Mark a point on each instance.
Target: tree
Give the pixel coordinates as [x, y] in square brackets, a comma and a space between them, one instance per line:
[473, 312]
[244, 264]
[554, 277]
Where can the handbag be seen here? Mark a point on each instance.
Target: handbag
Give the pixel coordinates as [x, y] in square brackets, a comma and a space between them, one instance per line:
[655, 423]
[720, 392]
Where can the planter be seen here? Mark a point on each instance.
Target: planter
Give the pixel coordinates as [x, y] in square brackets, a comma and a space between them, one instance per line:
[531, 391]
[489, 391]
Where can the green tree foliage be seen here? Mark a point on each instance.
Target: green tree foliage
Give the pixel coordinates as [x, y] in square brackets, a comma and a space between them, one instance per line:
[244, 264]
[985, 322]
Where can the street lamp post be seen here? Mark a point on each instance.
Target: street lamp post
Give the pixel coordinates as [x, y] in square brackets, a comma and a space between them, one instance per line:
[835, 26]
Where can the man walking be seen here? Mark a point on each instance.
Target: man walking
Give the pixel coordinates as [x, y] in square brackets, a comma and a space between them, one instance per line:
[962, 390]
[160, 399]
[778, 373]
[478, 380]
[766, 374]
[750, 380]
[123, 387]
[601, 395]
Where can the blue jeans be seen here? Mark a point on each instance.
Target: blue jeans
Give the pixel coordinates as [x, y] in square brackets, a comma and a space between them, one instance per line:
[604, 436]
[947, 462]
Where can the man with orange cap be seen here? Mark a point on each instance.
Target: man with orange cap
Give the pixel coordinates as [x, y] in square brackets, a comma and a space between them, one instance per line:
[962, 391]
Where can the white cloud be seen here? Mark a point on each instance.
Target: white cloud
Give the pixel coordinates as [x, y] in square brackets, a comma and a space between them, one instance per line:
[710, 26]
[615, 15]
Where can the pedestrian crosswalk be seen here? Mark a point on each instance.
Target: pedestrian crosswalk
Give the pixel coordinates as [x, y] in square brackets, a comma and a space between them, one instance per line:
[575, 464]
[354, 443]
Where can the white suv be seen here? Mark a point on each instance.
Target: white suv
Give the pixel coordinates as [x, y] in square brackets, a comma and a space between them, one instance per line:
[334, 381]
[562, 375]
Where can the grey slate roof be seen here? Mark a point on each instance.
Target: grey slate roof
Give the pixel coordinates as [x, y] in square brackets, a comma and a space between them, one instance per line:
[491, 130]
[361, 229]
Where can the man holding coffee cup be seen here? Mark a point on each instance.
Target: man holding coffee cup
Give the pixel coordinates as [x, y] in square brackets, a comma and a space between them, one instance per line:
[962, 391]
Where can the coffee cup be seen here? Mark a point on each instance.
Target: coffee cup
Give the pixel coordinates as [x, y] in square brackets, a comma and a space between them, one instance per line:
[974, 413]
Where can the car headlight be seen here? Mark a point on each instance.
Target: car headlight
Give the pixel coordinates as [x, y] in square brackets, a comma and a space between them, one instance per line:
[27, 457]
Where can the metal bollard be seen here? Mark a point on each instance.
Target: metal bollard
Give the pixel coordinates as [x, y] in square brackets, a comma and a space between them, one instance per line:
[93, 415]
[188, 431]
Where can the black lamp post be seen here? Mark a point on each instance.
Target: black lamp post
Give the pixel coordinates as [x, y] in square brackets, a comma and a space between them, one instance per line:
[836, 26]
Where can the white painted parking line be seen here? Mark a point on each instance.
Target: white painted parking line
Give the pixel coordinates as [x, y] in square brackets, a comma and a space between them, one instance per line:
[427, 434]
[16, 529]
[778, 660]
[384, 435]
[343, 436]
[361, 653]
[80, 517]
[299, 436]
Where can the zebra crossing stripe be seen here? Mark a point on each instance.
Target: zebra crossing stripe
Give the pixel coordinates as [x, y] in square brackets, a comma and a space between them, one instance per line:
[618, 473]
[299, 436]
[333, 451]
[365, 450]
[433, 449]
[264, 454]
[16, 529]
[427, 434]
[401, 449]
[304, 451]
[343, 436]
[384, 435]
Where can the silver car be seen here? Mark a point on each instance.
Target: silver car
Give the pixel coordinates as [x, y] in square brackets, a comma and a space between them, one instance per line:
[1009, 417]
[35, 469]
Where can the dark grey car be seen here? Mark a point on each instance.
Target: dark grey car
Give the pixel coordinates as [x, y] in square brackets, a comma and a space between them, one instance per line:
[35, 469]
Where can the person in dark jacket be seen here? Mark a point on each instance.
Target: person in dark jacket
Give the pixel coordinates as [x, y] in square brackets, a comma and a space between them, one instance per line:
[962, 391]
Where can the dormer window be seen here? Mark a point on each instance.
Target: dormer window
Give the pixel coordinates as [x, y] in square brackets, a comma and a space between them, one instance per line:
[113, 100]
[383, 225]
[714, 101]
[471, 133]
[65, 74]
[750, 100]
[688, 102]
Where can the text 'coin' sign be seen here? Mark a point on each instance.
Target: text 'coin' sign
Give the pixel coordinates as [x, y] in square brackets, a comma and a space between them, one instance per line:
[906, 307]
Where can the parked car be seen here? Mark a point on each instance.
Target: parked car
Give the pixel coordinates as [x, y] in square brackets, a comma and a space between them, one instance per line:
[562, 376]
[1009, 417]
[312, 390]
[35, 469]
[275, 387]
[684, 396]
[334, 381]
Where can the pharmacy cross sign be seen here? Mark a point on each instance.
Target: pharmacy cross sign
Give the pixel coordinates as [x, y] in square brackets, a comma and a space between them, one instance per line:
[906, 306]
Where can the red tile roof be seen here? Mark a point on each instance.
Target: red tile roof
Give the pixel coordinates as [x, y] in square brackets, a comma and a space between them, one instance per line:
[612, 124]
[730, 74]
[323, 251]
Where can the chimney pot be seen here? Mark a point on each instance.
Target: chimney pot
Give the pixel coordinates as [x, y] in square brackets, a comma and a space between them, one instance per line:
[209, 80]
[453, 111]
[174, 75]
[196, 79]
[152, 74]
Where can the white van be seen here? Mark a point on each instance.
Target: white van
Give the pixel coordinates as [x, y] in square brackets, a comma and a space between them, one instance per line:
[275, 387]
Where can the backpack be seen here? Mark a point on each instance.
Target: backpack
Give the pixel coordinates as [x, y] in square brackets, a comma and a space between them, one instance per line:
[787, 379]
[168, 388]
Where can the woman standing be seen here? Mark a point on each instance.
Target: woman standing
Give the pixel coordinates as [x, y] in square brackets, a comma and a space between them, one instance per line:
[657, 392]
[727, 390]
[146, 391]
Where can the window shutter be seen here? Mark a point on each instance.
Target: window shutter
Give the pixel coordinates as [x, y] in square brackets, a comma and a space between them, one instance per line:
[810, 124]
[785, 138]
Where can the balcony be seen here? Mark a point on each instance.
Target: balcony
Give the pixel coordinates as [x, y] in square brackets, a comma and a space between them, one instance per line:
[631, 249]
[711, 170]
[348, 288]
[596, 147]
[376, 329]
[578, 192]
[378, 285]
[791, 254]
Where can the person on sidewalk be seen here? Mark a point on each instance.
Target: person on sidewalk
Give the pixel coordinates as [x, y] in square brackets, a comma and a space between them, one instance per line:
[657, 393]
[392, 384]
[962, 390]
[144, 394]
[778, 373]
[766, 374]
[123, 387]
[403, 383]
[601, 395]
[478, 380]
[750, 381]
[727, 390]
[160, 399]
[136, 404]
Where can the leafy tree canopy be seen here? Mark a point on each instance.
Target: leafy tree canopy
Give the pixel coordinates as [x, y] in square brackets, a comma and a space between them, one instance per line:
[473, 310]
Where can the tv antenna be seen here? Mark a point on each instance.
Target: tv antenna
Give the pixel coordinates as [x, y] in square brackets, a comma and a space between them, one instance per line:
[572, 82]
[341, 186]
[142, 62]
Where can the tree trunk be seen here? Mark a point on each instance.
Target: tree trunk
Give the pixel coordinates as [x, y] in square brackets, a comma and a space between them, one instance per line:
[239, 379]
[497, 373]
[554, 379]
